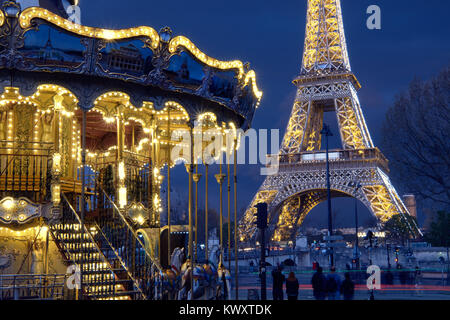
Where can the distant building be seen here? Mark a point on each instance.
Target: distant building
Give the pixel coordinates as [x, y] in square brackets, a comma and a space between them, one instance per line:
[410, 203]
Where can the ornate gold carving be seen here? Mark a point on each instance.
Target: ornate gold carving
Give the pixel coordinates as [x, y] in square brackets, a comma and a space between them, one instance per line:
[19, 211]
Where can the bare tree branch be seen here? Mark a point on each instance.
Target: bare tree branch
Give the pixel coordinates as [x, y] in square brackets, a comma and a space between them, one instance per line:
[416, 139]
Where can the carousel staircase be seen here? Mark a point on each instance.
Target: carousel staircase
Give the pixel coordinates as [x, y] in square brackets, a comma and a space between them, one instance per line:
[105, 276]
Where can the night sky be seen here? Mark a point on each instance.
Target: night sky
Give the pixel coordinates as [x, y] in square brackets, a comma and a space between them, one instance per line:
[413, 42]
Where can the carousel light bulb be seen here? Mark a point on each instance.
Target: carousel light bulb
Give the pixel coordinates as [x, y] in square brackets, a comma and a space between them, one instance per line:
[56, 194]
[122, 197]
[9, 204]
[121, 170]
[140, 220]
[156, 201]
[56, 163]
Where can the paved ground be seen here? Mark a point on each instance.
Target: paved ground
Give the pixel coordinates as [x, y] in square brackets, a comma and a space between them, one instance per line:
[429, 290]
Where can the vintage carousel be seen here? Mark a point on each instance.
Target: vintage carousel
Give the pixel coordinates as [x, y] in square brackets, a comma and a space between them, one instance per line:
[91, 123]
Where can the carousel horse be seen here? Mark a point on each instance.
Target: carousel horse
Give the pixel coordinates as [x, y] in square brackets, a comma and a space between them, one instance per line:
[224, 288]
[209, 283]
[168, 281]
[204, 282]
[223, 291]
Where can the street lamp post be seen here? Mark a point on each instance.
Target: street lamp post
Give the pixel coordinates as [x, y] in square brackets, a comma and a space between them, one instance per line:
[327, 133]
[388, 247]
[261, 223]
[357, 186]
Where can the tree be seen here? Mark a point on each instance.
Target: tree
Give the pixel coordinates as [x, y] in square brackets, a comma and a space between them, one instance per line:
[439, 234]
[416, 139]
[213, 223]
[398, 228]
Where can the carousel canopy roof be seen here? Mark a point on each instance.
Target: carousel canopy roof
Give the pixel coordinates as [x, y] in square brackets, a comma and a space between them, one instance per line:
[39, 46]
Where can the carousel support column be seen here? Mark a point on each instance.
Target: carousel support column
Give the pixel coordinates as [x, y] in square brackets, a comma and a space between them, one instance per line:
[169, 227]
[83, 194]
[133, 139]
[235, 221]
[150, 183]
[191, 170]
[206, 211]
[229, 214]
[121, 174]
[157, 189]
[197, 177]
[46, 262]
[220, 179]
[56, 164]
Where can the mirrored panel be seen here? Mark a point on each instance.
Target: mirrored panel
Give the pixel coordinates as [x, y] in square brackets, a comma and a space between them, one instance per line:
[184, 70]
[51, 47]
[247, 101]
[128, 57]
[223, 84]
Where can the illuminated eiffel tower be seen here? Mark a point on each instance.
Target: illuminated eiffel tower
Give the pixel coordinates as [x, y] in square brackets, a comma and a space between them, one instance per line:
[326, 84]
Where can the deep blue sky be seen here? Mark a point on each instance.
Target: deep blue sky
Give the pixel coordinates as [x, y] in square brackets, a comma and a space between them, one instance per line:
[414, 41]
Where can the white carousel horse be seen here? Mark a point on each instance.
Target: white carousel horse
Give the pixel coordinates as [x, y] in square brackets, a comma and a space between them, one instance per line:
[167, 282]
[208, 282]
[223, 274]
[204, 282]
[224, 277]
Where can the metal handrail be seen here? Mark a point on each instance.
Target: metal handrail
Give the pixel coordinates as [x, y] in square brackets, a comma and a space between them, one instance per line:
[33, 283]
[131, 230]
[374, 153]
[121, 261]
[102, 255]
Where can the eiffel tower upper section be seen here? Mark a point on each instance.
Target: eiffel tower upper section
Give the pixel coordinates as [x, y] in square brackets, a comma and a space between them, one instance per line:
[325, 83]
[325, 50]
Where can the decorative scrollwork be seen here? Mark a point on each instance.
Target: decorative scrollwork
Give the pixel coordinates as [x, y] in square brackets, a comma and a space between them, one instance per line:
[18, 211]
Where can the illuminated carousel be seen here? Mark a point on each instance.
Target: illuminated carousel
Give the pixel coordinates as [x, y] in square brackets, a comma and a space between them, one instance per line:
[91, 123]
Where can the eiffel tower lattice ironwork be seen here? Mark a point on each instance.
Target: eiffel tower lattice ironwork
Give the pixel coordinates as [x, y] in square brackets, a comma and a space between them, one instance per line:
[326, 83]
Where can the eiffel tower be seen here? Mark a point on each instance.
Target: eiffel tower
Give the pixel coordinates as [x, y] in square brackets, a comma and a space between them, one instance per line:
[326, 84]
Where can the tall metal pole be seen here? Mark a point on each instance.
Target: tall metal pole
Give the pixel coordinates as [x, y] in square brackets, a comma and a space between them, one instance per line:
[235, 222]
[150, 179]
[197, 177]
[229, 215]
[357, 187]
[46, 261]
[356, 235]
[261, 223]
[388, 255]
[83, 194]
[220, 180]
[448, 265]
[327, 133]
[169, 227]
[191, 170]
[206, 212]
[263, 265]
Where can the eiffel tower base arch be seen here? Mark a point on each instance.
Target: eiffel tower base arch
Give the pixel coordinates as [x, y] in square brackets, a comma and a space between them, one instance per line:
[300, 186]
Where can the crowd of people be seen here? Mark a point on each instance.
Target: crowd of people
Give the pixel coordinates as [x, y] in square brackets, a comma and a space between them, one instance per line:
[332, 286]
[329, 286]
